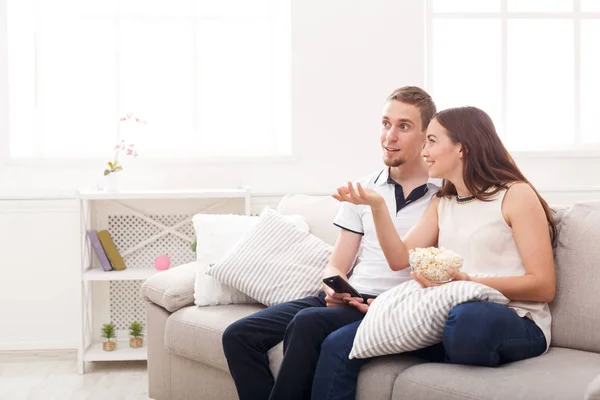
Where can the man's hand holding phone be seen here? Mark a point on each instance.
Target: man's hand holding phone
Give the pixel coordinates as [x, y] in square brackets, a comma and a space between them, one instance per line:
[340, 292]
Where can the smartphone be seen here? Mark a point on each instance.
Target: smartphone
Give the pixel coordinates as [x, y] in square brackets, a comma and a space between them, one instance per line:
[340, 285]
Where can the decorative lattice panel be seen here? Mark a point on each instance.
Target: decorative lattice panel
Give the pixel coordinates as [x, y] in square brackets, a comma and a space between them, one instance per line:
[128, 231]
[126, 304]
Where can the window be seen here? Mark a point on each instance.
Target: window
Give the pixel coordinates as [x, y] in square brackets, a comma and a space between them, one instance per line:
[532, 65]
[210, 77]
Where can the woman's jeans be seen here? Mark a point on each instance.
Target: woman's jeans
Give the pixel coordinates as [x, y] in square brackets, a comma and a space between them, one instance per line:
[476, 333]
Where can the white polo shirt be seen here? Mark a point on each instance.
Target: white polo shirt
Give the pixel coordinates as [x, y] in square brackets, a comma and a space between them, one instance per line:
[372, 274]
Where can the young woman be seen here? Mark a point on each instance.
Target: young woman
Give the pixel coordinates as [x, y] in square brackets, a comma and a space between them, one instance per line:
[491, 215]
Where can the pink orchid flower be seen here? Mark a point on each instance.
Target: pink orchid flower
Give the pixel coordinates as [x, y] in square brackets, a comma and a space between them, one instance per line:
[121, 147]
[131, 115]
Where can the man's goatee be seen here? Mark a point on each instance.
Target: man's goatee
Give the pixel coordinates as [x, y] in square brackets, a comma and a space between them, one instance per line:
[393, 163]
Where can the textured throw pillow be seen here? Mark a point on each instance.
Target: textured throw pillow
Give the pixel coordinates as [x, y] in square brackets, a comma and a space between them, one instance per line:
[216, 234]
[274, 262]
[408, 317]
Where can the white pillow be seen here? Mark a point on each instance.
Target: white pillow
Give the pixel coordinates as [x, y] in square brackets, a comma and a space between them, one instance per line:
[274, 262]
[216, 234]
[210, 292]
[409, 317]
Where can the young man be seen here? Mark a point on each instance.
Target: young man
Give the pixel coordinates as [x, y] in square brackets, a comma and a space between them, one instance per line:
[304, 324]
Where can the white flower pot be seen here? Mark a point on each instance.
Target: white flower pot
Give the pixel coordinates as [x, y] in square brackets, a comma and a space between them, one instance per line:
[111, 182]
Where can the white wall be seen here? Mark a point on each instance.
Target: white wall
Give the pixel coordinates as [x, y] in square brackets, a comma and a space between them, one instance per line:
[347, 56]
[39, 274]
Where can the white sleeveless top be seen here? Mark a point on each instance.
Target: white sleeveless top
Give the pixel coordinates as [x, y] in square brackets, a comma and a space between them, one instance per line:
[479, 233]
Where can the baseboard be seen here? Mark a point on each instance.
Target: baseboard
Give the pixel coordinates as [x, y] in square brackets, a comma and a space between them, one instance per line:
[38, 354]
[37, 346]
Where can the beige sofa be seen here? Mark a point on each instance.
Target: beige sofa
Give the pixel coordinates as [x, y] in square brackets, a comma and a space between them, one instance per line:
[186, 361]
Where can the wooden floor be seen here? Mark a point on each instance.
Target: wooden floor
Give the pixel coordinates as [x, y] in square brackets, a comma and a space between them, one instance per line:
[53, 375]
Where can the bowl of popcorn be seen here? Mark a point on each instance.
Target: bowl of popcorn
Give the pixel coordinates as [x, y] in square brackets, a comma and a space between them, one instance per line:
[433, 262]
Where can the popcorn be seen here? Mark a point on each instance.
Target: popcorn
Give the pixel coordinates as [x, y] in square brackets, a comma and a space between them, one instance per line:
[433, 262]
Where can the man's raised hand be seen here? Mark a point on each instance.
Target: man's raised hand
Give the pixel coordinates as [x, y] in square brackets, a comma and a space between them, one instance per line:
[359, 196]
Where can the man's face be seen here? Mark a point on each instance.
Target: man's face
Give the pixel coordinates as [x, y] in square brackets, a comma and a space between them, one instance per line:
[402, 137]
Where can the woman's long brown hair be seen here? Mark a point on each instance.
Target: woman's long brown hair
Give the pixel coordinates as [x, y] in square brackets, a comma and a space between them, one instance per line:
[487, 163]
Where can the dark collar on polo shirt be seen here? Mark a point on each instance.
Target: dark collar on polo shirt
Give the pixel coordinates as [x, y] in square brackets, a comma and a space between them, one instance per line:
[401, 201]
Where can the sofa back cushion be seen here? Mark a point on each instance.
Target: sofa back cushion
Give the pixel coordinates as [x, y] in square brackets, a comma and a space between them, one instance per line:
[318, 211]
[576, 307]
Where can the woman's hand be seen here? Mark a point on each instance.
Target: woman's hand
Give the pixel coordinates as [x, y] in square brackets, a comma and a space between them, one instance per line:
[358, 302]
[425, 283]
[359, 196]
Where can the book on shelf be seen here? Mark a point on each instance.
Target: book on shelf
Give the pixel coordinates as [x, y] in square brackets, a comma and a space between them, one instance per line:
[99, 250]
[111, 250]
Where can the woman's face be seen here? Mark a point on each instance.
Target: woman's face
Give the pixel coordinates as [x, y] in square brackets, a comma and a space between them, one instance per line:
[444, 158]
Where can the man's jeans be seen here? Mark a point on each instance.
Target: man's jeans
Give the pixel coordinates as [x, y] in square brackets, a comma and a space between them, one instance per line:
[302, 325]
[476, 333]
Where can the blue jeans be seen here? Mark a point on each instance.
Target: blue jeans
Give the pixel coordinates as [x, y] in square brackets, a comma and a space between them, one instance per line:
[302, 325]
[476, 333]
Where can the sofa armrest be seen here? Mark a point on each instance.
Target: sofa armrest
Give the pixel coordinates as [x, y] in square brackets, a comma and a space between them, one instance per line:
[171, 289]
[593, 390]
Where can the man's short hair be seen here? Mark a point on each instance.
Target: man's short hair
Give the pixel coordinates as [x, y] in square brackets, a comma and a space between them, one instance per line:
[417, 97]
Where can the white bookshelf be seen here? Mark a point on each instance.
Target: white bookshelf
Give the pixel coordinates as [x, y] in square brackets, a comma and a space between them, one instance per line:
[165, 194]
[95, 295]
[133, 274]
[123, 352]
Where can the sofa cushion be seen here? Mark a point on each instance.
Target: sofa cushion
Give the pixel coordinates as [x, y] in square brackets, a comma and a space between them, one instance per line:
[275, 358]
[593, 390]
[171, 289]
[210, 292]
[576, 308]
[560, 374]
[319, 212]
[408, 317]
[274, 262]
[376, 379]
[216, 234]
[195, 332]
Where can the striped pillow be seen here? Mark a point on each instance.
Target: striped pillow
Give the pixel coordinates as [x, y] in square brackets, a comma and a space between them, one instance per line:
[274, 262]
[408, 317]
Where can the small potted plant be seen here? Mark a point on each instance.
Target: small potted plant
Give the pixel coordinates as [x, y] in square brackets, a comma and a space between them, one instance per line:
[108, 333]
[137, 335]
